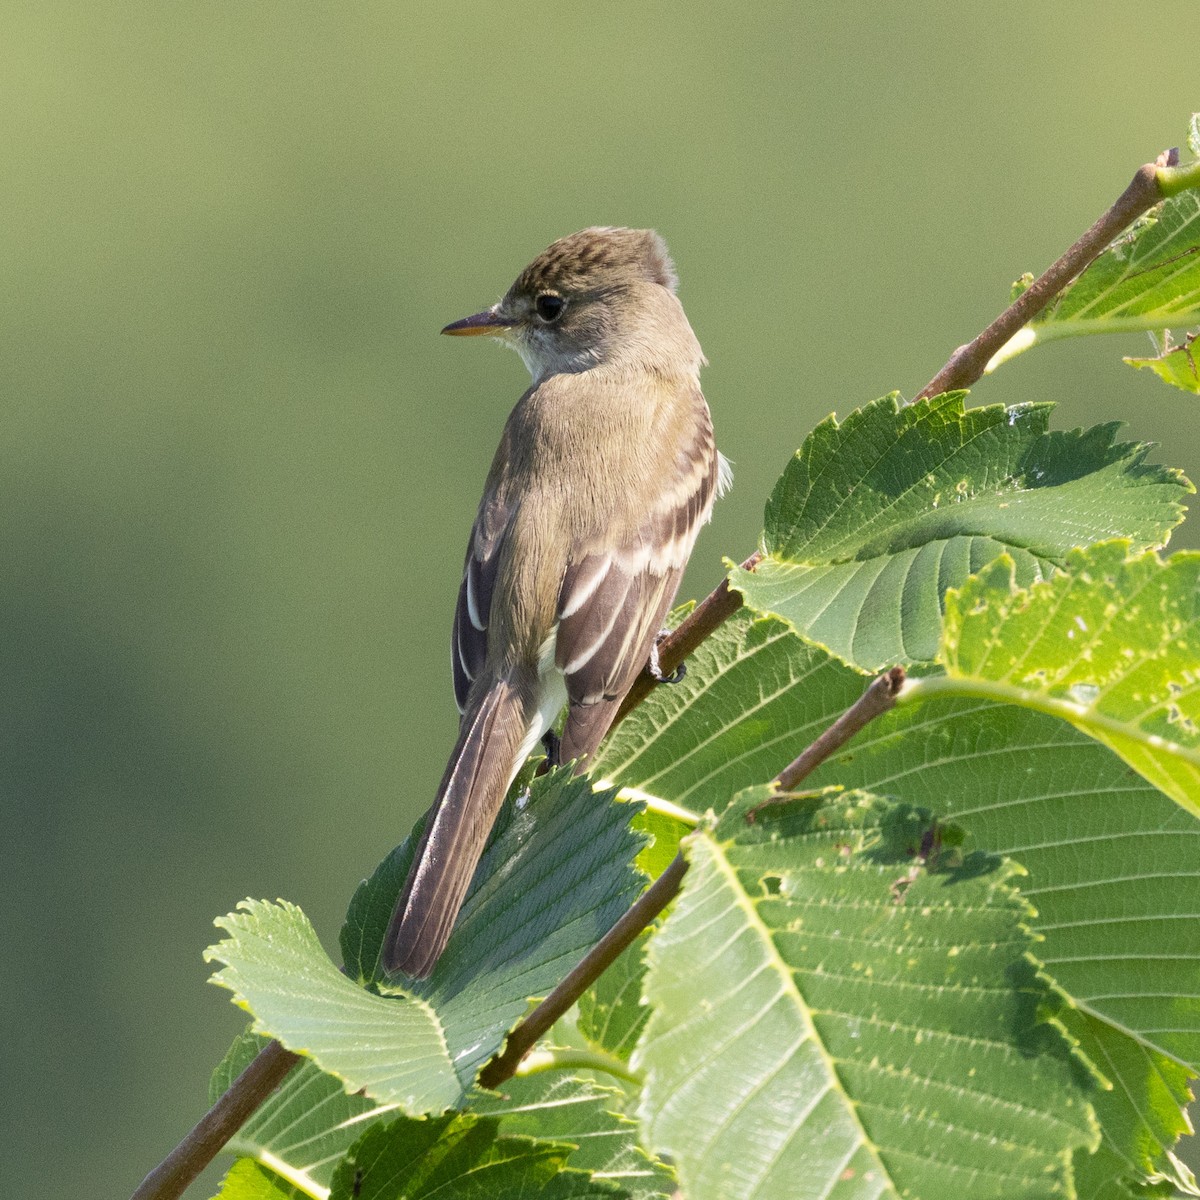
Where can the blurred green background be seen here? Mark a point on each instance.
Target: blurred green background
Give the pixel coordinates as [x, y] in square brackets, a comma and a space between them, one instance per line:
[239, 464]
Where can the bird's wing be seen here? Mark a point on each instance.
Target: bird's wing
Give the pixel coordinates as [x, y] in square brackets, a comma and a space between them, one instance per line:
[471, 614]
[614, 597]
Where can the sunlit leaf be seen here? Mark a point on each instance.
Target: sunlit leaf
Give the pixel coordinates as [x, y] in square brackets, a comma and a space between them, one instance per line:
[392, 1047]
[556, 1106]
[1176, 364]
[556, 875]
[875, 518]
[1141, 1115]
[302, 1130]
[463, 1156]
[1112, 861]
[1112, 645]
[611, 1012]
[834, 1015]
[304, 1126]
[248, 1180]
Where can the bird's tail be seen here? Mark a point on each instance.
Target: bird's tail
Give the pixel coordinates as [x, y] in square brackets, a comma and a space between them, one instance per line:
[485, 761]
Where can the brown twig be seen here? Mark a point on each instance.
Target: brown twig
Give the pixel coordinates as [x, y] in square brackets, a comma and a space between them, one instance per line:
[169, 1179]
[593, 964]
[966, 365]
[879, 697]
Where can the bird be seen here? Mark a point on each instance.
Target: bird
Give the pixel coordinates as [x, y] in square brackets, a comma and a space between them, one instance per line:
[606, 471]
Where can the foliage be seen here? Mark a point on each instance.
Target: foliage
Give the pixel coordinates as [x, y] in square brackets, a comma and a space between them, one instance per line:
[961, 959]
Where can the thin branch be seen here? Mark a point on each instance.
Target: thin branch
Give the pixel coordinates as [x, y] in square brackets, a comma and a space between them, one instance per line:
[966, 365]
[169, 1179]
[593, 964]
[874, 702]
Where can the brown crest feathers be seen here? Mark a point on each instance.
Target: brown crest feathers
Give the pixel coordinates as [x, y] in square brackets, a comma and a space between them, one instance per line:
[598, 258]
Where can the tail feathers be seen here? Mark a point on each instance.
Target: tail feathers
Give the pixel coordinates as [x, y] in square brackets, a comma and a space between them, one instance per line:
[485, 759]
[585, 729]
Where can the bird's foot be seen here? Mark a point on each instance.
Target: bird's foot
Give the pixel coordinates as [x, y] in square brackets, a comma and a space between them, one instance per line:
[656, 667]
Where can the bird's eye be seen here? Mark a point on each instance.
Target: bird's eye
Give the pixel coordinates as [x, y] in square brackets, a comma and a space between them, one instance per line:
[549, 306]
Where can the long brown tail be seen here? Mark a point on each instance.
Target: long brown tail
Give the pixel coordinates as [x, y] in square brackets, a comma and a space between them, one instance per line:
[483, 764]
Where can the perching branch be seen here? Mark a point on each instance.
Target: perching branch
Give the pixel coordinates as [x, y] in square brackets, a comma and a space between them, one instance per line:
[713, 611]
[1152, 183]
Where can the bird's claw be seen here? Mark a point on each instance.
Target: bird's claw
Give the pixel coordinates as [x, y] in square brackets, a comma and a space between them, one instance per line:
[655, 666]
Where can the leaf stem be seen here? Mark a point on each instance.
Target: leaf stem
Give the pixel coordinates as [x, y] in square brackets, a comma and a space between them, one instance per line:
[1172, 179]
[593, 964]
[655, 804]
[1082, 716]
[557, 1059]
[1149, 185]
[169, 1179]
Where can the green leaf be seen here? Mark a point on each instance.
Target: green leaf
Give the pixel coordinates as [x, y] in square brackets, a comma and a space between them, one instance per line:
[1175, 365]
[875, 518]
[611, 1012]
[247, 1180]
[304, 1127]
[557, 1107]
[1112, 645]
[556, 875]
[1112, 862]
[830, 1017]
[753, 697]
[1141, 1115]
[277, 971]
[1114, 866]
[663, 833]
[463, 1156]
[1149, 278]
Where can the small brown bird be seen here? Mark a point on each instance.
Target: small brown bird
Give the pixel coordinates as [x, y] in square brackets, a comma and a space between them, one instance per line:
[605, 473]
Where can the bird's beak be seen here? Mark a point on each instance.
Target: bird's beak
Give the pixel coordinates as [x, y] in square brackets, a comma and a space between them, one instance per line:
[488, 322]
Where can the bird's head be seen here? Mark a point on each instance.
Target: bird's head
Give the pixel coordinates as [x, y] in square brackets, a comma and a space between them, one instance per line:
[584, 300]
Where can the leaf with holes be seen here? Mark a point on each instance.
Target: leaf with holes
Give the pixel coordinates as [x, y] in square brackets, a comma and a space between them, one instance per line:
[836, 1012]
[1175, 364]
[1114, 865]
[1112, 646]
[875, 518]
